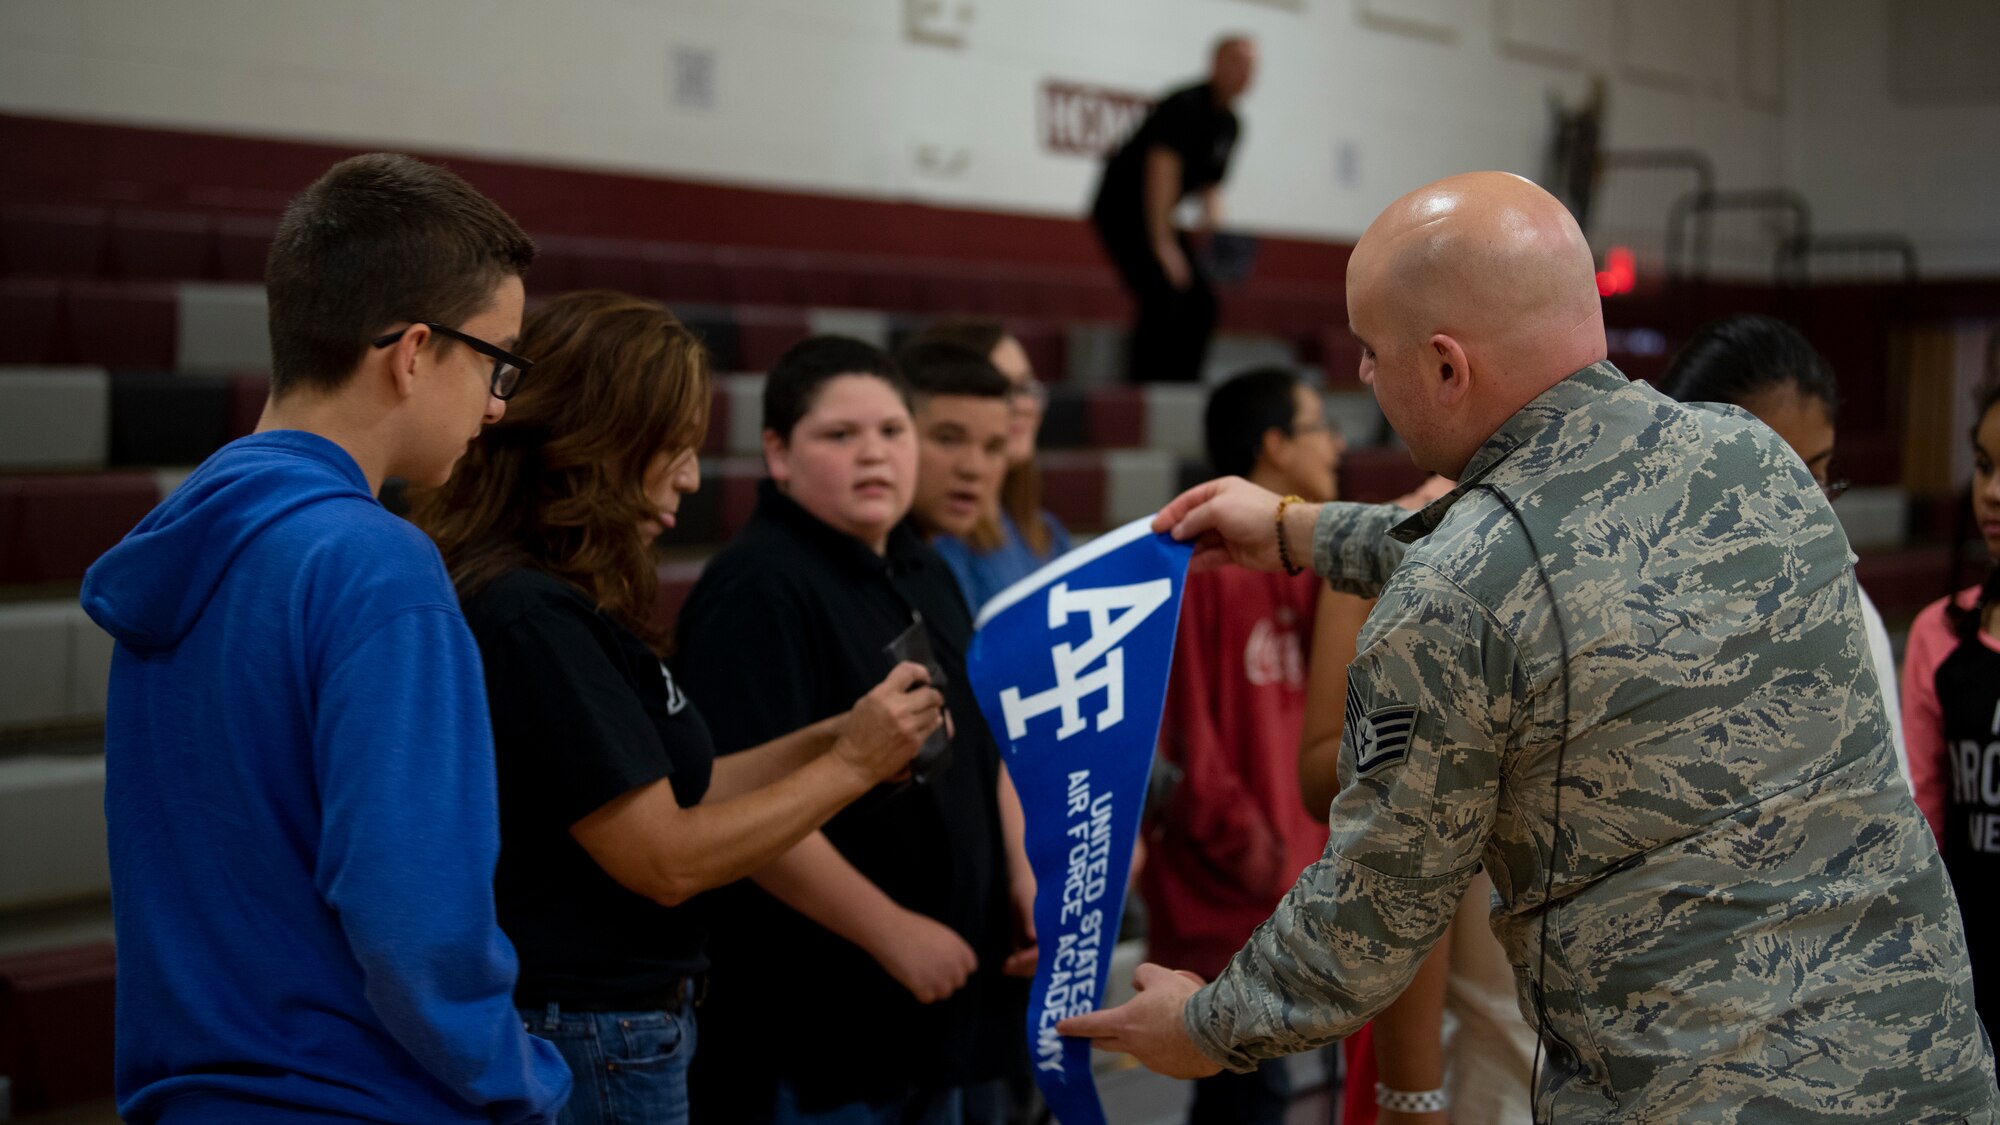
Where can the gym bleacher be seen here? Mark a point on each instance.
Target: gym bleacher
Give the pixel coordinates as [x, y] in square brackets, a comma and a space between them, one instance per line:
[132, 344]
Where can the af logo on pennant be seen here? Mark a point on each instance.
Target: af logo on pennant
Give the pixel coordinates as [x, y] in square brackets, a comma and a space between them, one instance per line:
[1070, 667]
[1137, 602]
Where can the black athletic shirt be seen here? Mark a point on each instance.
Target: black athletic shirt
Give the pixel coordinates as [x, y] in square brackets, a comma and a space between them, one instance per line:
[1191, 123]
[583, 712]
[787, 626]
[1968, 694]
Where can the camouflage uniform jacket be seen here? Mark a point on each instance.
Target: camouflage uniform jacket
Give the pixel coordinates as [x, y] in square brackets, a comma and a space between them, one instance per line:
[1745, 916]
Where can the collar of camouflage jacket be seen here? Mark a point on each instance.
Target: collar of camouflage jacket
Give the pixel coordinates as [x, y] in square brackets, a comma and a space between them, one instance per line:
[1576, 392]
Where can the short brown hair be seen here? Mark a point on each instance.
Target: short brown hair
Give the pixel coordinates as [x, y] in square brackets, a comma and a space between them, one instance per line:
[379, 239]
[1021, 492]
[557, 484]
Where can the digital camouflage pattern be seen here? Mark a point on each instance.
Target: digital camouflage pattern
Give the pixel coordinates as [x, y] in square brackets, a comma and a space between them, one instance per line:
[1748, 919]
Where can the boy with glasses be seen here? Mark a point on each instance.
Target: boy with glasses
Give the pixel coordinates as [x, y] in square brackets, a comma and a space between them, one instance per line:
[300, 782]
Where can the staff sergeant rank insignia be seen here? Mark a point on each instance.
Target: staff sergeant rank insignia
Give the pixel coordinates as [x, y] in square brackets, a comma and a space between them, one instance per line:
[1381, 736]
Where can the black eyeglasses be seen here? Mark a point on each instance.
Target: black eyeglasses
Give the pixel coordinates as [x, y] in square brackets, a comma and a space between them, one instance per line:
[507, 367]
[1834, 487]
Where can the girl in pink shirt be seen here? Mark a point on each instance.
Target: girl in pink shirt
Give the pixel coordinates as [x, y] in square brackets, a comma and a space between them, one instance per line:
[1951, 723]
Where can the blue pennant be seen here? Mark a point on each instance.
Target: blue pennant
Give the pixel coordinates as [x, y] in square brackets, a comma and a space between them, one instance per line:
[1070, 666]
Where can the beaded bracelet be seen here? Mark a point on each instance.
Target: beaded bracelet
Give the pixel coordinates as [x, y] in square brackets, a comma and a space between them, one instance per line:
[1284, 554]
[1411, 1101]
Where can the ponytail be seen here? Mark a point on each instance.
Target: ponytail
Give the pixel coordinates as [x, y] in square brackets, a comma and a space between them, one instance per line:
[1965, 620]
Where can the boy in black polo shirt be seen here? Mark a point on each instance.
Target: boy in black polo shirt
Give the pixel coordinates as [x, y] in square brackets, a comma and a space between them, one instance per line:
[858, 973]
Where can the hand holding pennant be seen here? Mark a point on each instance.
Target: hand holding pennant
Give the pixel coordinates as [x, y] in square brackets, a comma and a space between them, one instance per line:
[1149, 1026]
[1070, 668]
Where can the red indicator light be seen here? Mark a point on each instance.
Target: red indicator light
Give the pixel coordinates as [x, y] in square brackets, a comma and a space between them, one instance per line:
[1619, 273]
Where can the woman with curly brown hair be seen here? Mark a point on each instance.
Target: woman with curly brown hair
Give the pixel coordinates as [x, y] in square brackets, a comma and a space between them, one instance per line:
[614, 810]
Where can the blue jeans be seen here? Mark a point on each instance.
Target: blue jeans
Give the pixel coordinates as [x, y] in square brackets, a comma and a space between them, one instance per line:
[921, 1107]
[631, 1068]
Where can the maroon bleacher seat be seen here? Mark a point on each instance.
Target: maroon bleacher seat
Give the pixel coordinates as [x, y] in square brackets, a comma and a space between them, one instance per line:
[162, 245]
[33, 322]
[1073, 488]
[1092, 295]
[716, 441]
[688, 273]
[676, 579]
[605, 263]
[823, 282]
[763, 334]
[885, 287]
[1047, 345]
[555, 269]
[735, 481]
[953, 293]
[1904, 582]
[1375, 476]
[1115, 417]
[132, 324]
[1283, 309]
[247, 392]
[53, 527]
[52, 240]
[56, 1025]
[1336, 353]
[757, 279]
[242, 242]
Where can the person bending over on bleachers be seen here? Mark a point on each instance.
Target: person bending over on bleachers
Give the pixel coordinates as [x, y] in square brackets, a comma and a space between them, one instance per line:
[299, 784]
[1766, 367]
[1181, 148]
[858, 978]
[1234, 835]
[1014, 538]
[614, 810]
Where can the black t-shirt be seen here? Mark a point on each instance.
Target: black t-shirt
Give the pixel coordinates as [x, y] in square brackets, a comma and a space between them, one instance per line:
[583, 712]
[1968, 693]
[1200, 130]
[785, 627]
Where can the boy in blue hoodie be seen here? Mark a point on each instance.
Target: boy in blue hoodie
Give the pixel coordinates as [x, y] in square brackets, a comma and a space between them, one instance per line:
[300, 773]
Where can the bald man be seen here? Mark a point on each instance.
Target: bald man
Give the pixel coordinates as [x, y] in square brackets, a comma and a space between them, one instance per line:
[1622, 665]
[1182, 148]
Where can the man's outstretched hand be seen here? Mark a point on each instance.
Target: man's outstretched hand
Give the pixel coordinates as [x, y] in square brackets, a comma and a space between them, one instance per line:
[1231, 520]
[1148, 1027]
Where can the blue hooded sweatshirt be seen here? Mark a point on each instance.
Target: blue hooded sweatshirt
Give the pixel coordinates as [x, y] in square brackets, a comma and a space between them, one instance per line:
[302, 812]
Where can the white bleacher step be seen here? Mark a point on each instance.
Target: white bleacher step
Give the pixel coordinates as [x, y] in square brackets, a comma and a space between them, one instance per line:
[745, 414]
[54, 417]
[1357, 416]
[1174, 418]
[1874, 518]
[1232, 353]
[868, 325]
[52, 830]
[1138, 482]
[54, 665]
[1096, 354]
[223, 328]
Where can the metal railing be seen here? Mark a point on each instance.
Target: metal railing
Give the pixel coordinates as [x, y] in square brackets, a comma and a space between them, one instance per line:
[1796, 249]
